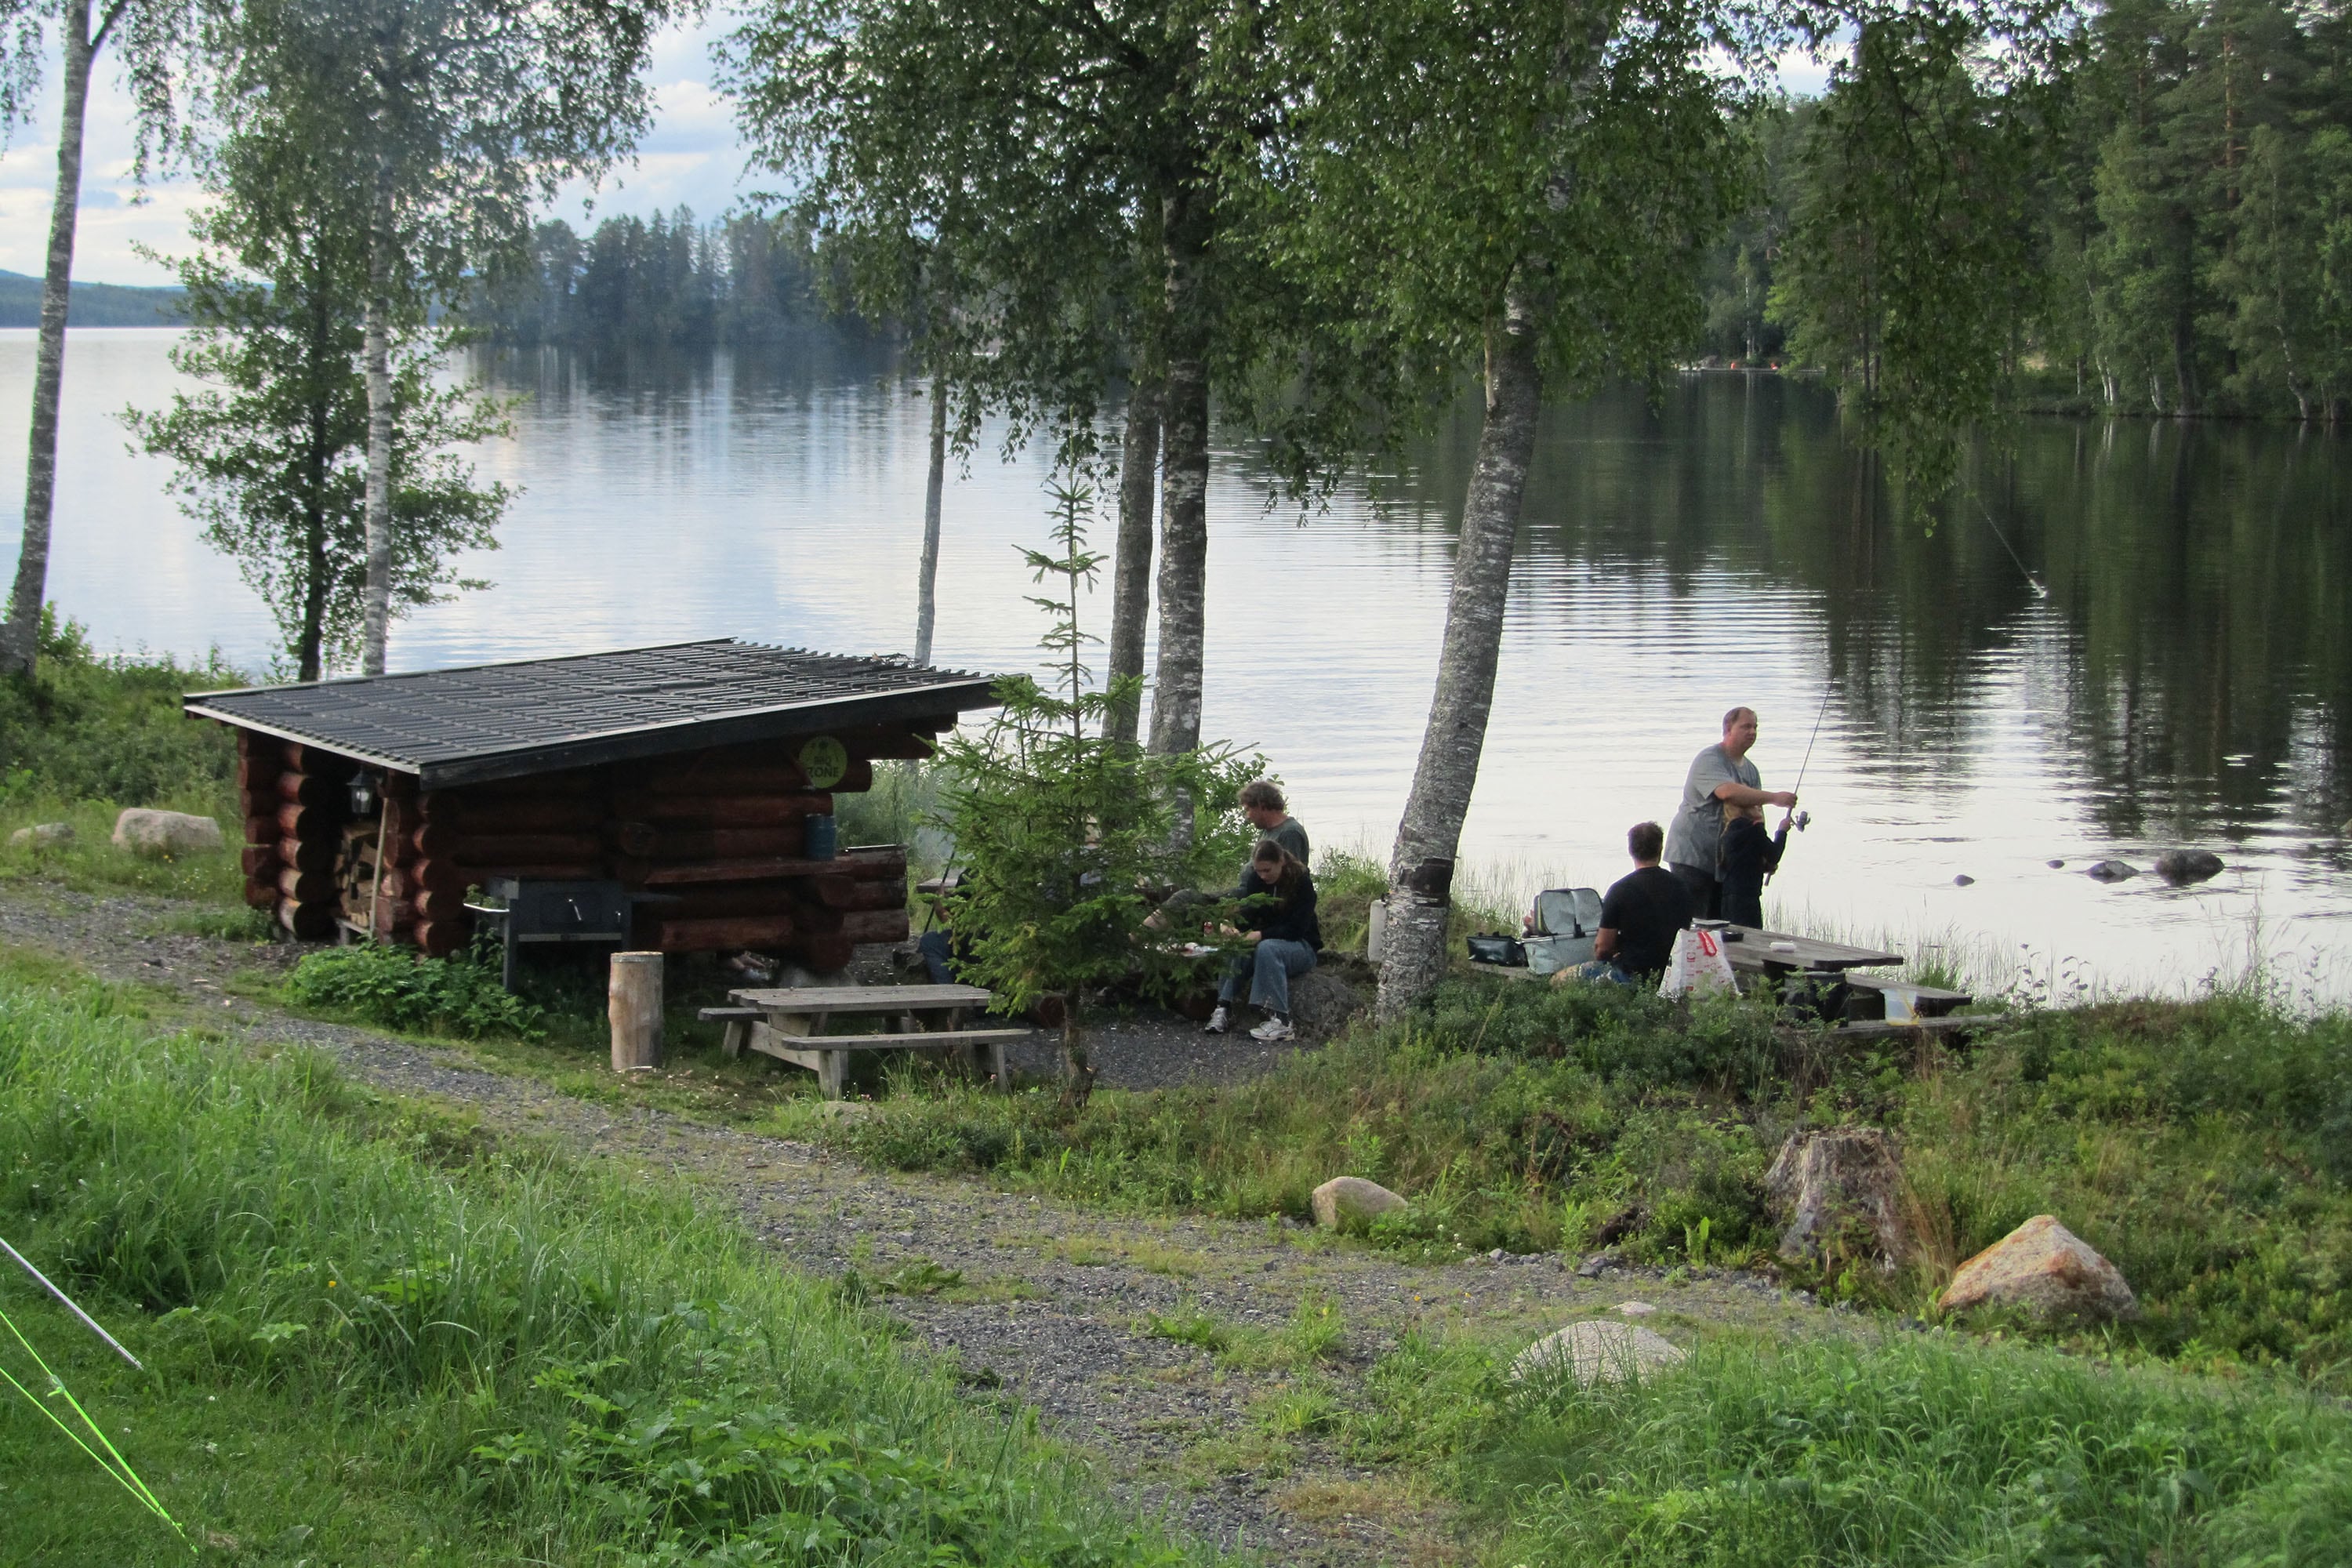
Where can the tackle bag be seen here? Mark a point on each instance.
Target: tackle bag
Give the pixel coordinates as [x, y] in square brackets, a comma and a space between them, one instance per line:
[1698, 966]
[1493, 947]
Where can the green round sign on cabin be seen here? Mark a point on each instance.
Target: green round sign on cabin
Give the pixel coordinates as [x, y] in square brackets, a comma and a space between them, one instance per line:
[823, 760]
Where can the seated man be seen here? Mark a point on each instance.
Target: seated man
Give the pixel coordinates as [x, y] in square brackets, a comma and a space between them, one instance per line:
[1262, 803]
[1641, 915]
[1277, 919]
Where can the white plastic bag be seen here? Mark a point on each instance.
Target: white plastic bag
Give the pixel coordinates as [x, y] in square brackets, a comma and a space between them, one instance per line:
[1698, 966]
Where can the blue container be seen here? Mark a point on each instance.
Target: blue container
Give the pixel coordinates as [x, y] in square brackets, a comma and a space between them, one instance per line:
[819, 838]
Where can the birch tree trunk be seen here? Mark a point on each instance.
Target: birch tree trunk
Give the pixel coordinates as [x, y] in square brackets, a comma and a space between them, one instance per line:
[927, 574]
[376, 609]
[1184, 489]
[20, 635]
[1130, 596]
[1420, 869]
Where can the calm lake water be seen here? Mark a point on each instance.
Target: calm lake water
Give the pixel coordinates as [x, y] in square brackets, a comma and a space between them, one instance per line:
[2185, 680]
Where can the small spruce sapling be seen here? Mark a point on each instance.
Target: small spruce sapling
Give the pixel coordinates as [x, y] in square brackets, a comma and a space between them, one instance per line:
[1064, 832]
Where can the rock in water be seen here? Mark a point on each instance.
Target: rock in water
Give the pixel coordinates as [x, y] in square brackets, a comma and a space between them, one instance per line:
[1343, 1199]
[145, 832]
[1834, 1186]
[2057, 865]
[1596, 1352]
[2182, 866]
[43, 836]
[2112, 871]
[2045, 1269]
[1964, 880]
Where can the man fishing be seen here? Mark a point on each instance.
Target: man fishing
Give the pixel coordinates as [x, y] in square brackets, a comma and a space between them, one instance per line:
[1720, 775]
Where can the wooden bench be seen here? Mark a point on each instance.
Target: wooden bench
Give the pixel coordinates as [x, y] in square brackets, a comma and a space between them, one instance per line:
[791, 1026]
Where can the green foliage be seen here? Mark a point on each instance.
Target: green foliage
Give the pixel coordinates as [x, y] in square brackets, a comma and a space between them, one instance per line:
[1921, 1452]
[565, 1365]
[110, 728]
[400, 989]
[1061, 831]
[272, 454]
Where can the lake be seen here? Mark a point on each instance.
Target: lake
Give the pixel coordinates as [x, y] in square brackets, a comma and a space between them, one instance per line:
[2123, 636]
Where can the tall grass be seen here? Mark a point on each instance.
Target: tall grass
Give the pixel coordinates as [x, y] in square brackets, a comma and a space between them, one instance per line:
[591, 1366]
[1924, 1452]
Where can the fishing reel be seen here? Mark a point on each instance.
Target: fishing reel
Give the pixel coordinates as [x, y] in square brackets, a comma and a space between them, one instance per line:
[1801, 821]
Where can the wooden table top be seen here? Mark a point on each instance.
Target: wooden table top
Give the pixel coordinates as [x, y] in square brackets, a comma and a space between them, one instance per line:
[1753, 950]
[862, 998]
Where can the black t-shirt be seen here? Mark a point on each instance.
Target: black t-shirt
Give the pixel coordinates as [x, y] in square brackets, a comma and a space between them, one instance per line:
[1645, 910]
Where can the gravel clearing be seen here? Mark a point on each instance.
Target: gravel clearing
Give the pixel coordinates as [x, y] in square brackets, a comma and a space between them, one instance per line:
[1038, 1302]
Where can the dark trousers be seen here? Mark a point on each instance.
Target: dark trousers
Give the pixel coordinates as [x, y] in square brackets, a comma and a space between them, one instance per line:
[1707, 893]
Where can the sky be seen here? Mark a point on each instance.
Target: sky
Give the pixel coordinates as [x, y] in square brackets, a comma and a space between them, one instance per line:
[691, 157]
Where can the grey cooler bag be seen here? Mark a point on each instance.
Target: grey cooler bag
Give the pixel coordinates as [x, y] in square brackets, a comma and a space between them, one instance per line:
[1566, 919]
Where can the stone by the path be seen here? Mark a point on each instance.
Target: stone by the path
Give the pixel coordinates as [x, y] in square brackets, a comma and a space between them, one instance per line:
[43, 836]
[145, 832]
[1635, 1309]
[1323, 999]
[1597, 1353]
[2112, 871]
[2044, 1268]
[1345, 1198]
[2182, 866]
[1836, 1186]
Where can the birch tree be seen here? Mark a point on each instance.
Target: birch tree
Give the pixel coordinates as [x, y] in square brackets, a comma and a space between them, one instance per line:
[474, 111]
[152, 38]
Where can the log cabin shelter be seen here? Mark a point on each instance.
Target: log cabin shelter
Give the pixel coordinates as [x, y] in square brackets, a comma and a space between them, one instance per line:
[679, 797]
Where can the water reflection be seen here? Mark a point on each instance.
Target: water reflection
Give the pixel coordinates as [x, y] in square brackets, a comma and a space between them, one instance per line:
[2185, 679]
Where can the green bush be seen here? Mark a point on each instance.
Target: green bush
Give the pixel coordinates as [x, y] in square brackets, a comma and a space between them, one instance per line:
[594, 1368]
[1922, 1452]
[400, 989]
[110, 728]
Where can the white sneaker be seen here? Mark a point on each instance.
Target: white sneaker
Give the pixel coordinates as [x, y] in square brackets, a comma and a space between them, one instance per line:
[1219, 1021]
[1275, 1027]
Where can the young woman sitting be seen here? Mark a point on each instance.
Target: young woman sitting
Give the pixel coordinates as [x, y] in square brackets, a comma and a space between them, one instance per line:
[1278, 920]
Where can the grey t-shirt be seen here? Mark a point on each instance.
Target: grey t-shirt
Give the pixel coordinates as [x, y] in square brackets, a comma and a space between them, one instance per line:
[1292, 836]
[1697, 830]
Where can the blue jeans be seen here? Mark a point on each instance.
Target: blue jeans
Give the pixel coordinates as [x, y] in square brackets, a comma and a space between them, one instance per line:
[1602, 969]
[1269, 966]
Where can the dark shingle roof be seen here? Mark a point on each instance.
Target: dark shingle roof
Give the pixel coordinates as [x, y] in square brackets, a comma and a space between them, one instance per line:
[504, 721]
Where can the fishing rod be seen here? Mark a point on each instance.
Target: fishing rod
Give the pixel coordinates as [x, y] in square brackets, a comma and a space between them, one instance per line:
[1797, 819]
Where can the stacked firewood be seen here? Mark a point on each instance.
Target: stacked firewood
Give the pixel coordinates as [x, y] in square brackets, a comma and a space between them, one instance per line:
[714, 840]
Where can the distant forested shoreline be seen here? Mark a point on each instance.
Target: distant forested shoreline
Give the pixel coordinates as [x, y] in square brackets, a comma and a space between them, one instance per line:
[92, 304]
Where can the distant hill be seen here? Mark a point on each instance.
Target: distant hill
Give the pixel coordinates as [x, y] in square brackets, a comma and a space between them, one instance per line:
[89, 304]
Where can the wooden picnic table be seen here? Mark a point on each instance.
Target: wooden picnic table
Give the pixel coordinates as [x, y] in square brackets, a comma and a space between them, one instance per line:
[1754, 949]
[791, 1024]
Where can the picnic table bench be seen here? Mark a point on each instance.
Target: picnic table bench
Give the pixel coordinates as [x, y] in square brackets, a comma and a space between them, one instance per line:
[791, 1024]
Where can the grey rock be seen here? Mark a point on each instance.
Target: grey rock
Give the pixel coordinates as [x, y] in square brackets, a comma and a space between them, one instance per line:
[43, 836]
[145, 832]
[1830, 1187]
[2044, 1268]
[1343, 1199]
[1325, 998]
[1596, 1352]
[2112, 871]
[1591, 1267]
[2057, 865]
[2182, 866]
[1964, 880]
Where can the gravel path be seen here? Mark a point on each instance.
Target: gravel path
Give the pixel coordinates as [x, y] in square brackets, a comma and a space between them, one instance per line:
[1038, 1301]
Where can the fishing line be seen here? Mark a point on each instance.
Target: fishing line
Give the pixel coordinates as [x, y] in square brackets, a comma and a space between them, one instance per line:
[1827, 689]
[2031, 580]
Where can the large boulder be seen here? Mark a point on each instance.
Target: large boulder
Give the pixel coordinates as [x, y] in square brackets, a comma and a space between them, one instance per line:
[1323, 999]
[1596, 1352]
[1836, 1191]
[43, 836]
[2046, 1269]
[2182, 866]
[1343, 1200]
[146, 832]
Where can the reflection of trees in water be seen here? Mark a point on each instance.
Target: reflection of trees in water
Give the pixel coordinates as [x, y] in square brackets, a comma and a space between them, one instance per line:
[2192, 664]
[799, 364]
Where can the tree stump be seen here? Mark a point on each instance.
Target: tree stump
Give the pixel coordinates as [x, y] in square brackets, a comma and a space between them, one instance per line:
[634, 998]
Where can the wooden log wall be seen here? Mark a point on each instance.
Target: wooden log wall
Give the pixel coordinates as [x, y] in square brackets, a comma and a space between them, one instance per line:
[715, 834]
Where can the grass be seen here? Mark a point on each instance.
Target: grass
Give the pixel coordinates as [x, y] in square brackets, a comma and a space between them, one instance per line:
[404, 1342]
[2200, 1146]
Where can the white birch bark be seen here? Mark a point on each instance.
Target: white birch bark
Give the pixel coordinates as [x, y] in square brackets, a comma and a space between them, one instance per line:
[376, 608]
[927, 573]
[1130, 597]
[1183, 491]
[1421, 867]
[20, 637]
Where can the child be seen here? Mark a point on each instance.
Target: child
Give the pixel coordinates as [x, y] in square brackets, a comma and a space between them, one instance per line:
[1749, 855]
[1277, 917]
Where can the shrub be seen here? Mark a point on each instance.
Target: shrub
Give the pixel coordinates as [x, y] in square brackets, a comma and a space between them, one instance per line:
[398, 989]
[92, 726]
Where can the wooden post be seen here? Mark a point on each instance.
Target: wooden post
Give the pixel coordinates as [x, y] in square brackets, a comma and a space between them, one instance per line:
[635, 1008]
